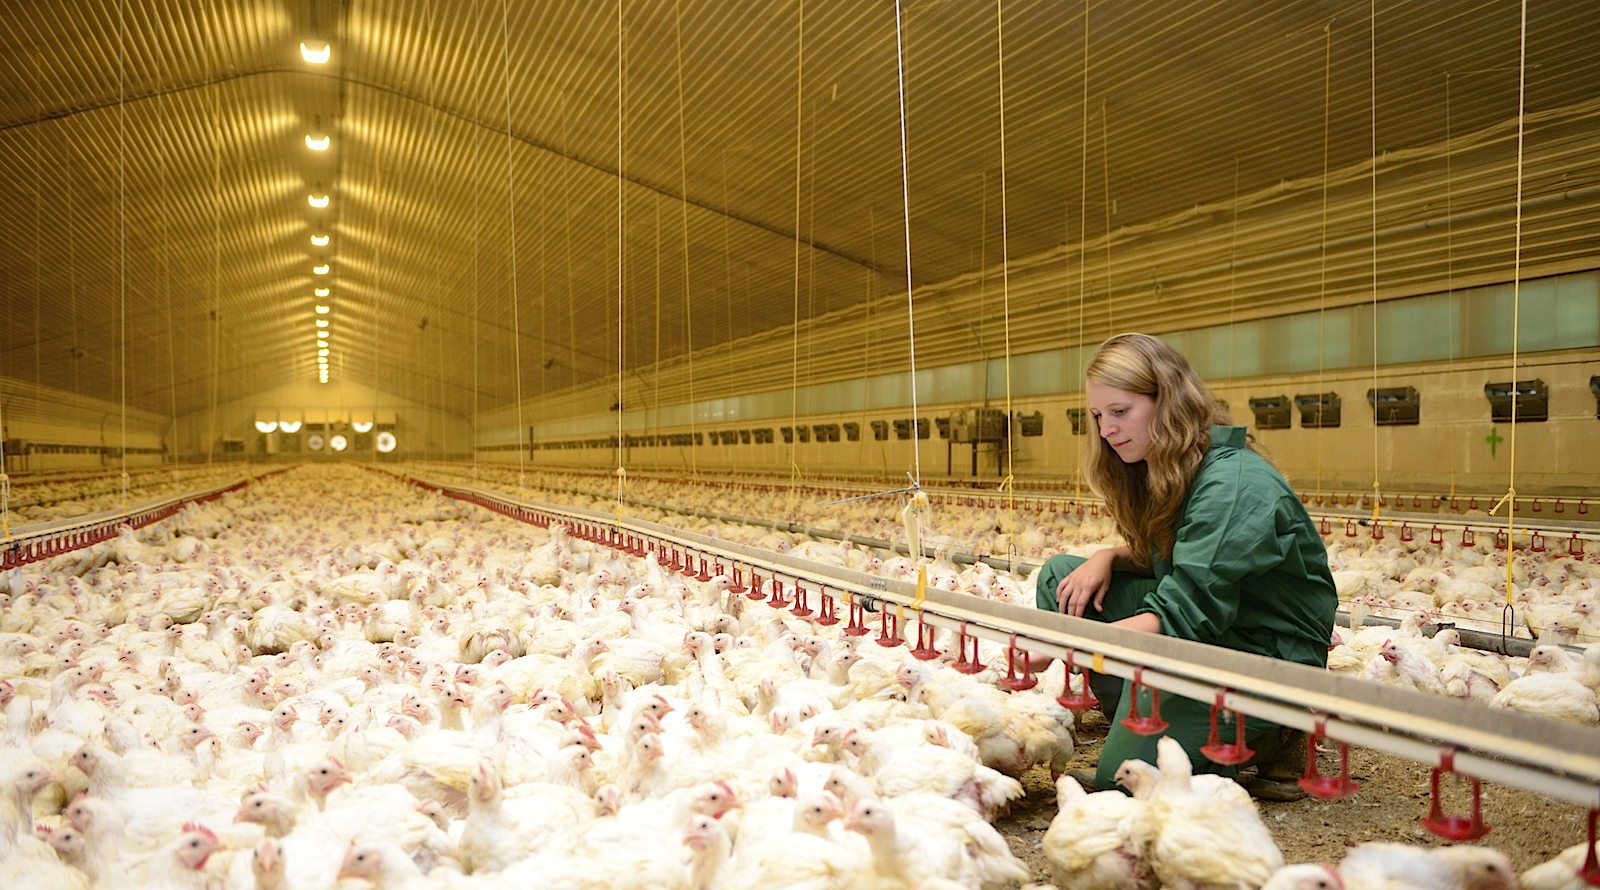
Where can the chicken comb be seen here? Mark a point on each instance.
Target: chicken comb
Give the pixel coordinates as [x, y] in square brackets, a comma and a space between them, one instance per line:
[197, 828]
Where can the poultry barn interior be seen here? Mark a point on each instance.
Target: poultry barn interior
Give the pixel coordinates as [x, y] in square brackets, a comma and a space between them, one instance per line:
[462, 444]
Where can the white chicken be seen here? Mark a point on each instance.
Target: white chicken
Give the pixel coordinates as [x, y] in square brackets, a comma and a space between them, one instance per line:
[1380, 866]
[919, 837]
[1192, 840]
[1087, 844]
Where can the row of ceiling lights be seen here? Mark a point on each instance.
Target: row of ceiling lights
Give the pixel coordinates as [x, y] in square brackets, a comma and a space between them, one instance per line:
[322, 307]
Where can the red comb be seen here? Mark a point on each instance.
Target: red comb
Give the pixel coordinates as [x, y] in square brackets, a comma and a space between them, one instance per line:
[197, 828]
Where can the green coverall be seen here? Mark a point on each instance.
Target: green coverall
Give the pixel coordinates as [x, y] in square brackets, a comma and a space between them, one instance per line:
[1248, 572]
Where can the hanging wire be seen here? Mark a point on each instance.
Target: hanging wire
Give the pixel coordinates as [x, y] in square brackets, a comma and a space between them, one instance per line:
[1450, 239]
[1105, 182]
[1083, 222]
[435, 166]
[477, 225]
[1322, 237]
[905, 200]
[378, 268]
[653, 421]
[122, 241]
[166, 278]
[511, 198]
[1372, 61]
[216, 254]
[1005, 290]
[1508, 616]
[1233, 267]
[683, 190]
[799, 135]
[622, 118]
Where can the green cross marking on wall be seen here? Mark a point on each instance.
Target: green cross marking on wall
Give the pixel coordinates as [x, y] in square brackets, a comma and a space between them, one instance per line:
[1494, 438]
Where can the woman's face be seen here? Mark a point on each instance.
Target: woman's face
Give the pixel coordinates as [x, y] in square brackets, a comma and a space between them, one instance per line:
[1123, 419]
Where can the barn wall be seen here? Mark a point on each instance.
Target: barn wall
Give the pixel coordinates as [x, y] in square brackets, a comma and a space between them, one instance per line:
[50, 429]
[1456, 444]
[420, 431]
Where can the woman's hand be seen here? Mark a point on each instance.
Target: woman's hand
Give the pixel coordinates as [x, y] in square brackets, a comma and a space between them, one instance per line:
[1086, 585]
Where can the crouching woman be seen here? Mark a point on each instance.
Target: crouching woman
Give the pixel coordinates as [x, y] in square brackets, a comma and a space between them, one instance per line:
[1219, 549]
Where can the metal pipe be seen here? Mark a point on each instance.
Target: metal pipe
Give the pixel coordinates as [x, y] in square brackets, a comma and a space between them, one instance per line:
[1515, 749]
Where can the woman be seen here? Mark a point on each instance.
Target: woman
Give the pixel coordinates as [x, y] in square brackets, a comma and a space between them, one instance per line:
[1220, 550]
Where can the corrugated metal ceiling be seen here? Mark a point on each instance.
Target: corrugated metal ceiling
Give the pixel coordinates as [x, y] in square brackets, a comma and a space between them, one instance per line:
[155, 177]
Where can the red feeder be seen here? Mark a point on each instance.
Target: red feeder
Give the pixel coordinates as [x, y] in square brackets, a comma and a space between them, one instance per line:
[1083, 700]
[704, 575]
[738, 582]
[1012, 681]
[1591, 868]
[1436, 536]
[1574, 546]
[755, 587]
[961, 663]
[1502, 540]
[1137, 724]
[1327, 787]
[1406, 533]
[1324, 527]
[777, 600]
[1538, 505]
[1349, 528]
[825, 616]
[1467, 536]
[1377, 532]
[857, 625]
[1536, 543]
[888, 629]
[1215, 750]
[1456, 828]
[924, 650]
[801, 609]
[1560, 507]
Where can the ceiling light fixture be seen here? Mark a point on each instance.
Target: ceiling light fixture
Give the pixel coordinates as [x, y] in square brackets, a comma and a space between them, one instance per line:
[321, 292]
[320, 270]
[322, 310]
[289, 426]
[361, 426]
[266, 426]
[322, 322]
[319, 240]
[323, 353]
[319, 144]
[315, 201]
[316, 56]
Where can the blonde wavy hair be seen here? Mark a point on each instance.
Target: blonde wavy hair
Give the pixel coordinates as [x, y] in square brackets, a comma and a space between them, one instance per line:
[1145, 497]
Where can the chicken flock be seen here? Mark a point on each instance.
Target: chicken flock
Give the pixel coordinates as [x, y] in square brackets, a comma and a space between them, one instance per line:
[334, 679]
[1410, 578]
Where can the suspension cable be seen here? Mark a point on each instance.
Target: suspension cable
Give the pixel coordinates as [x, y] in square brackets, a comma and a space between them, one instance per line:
[511, 198]
[1005, 290]
[1510, 499]
[905, 200]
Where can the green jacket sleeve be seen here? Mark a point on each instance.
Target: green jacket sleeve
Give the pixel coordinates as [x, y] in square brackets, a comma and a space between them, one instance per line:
[1228, 532]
